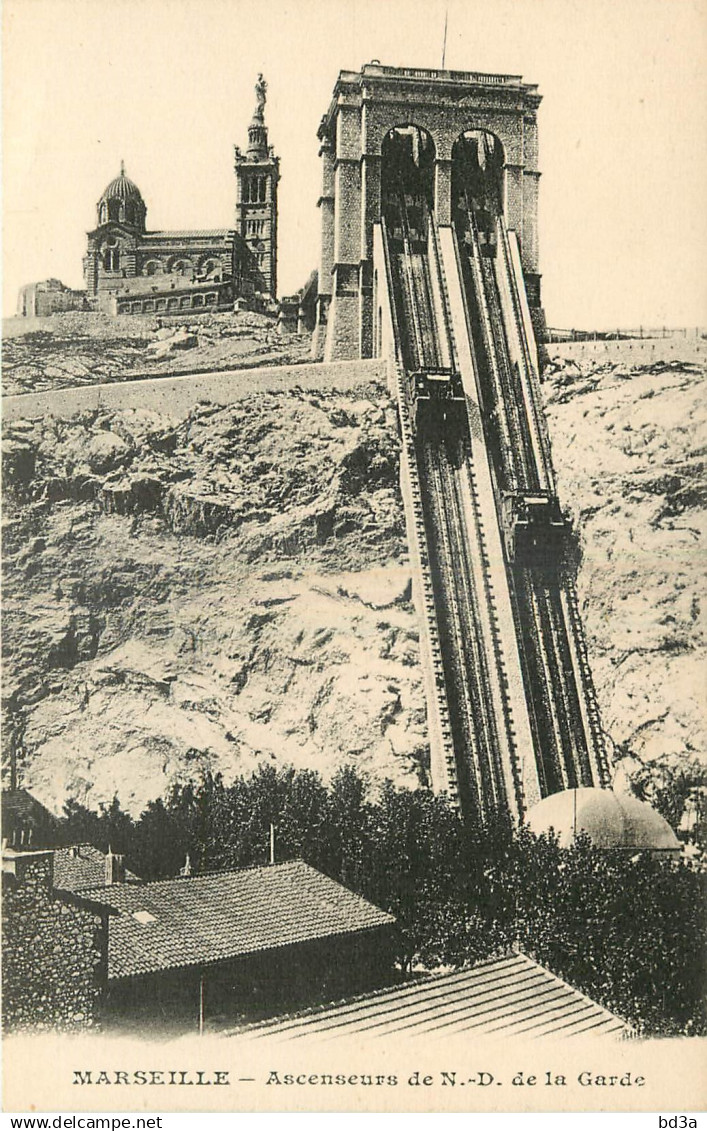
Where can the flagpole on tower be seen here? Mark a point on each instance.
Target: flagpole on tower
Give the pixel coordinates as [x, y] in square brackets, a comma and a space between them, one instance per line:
[444, 44]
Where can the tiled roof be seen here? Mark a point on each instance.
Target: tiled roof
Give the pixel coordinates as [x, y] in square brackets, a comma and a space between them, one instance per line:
[203, 919]
[18, 804]
[81, 866]
[504, 998]
[175, 237]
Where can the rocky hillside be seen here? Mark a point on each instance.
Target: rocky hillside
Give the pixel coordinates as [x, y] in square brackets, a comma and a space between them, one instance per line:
[86, 349]
[629, 436]
[209, 592]
[233, 586]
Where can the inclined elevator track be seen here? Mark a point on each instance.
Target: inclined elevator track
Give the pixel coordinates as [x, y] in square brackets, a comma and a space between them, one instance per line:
[468, 649]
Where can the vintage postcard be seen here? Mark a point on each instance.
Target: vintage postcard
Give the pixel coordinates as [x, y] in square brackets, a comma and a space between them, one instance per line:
[353, 570]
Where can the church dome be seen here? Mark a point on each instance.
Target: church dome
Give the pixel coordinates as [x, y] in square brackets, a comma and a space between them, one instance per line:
[121, 188]
[611, 820]
[122, 202]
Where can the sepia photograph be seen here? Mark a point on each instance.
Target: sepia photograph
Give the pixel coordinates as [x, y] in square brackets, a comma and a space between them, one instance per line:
[354, 747]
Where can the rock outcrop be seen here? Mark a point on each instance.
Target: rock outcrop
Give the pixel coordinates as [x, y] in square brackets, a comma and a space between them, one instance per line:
[75, 349]
[211, 592]
[629, 439]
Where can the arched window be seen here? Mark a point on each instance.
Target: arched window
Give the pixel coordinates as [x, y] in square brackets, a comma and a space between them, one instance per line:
[103, 214]
[152, 267]
[111, 255]
[130, 213]
[114, 210]
[261, 189]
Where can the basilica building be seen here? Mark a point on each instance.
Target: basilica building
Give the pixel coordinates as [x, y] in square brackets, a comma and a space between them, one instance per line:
[129, 269]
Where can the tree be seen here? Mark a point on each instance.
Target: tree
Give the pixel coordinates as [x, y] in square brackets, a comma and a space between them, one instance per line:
[160, 844]
[108, 828]
[627, 930]
[346, 848]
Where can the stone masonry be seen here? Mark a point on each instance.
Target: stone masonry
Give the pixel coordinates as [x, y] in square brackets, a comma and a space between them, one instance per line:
[365, 107]
[54, 949]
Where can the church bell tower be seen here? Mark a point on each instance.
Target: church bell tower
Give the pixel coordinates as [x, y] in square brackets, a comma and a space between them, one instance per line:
[257, 175]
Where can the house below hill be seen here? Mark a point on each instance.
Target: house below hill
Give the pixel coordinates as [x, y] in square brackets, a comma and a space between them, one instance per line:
[26, 823]
[239, 944]
[86, 943]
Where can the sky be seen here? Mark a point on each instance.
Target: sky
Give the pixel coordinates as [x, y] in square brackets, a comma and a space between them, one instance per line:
[167, 85]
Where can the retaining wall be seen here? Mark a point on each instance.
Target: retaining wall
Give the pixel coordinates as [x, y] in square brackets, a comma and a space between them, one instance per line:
[177, 395]
[637, 351]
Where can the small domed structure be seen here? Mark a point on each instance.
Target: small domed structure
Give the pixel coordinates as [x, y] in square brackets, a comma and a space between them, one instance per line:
[611, 820]
[122, 202]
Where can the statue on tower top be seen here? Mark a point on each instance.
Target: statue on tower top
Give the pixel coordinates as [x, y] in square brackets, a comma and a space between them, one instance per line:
[261, 90]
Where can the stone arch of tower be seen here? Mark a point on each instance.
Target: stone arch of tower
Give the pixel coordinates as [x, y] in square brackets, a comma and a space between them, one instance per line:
[444, 125]
[408, 162]
[445, 129]
[479, 168]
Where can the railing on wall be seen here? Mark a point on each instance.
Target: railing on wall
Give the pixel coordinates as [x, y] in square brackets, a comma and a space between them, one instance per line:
[556, 335]
[465, 76]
